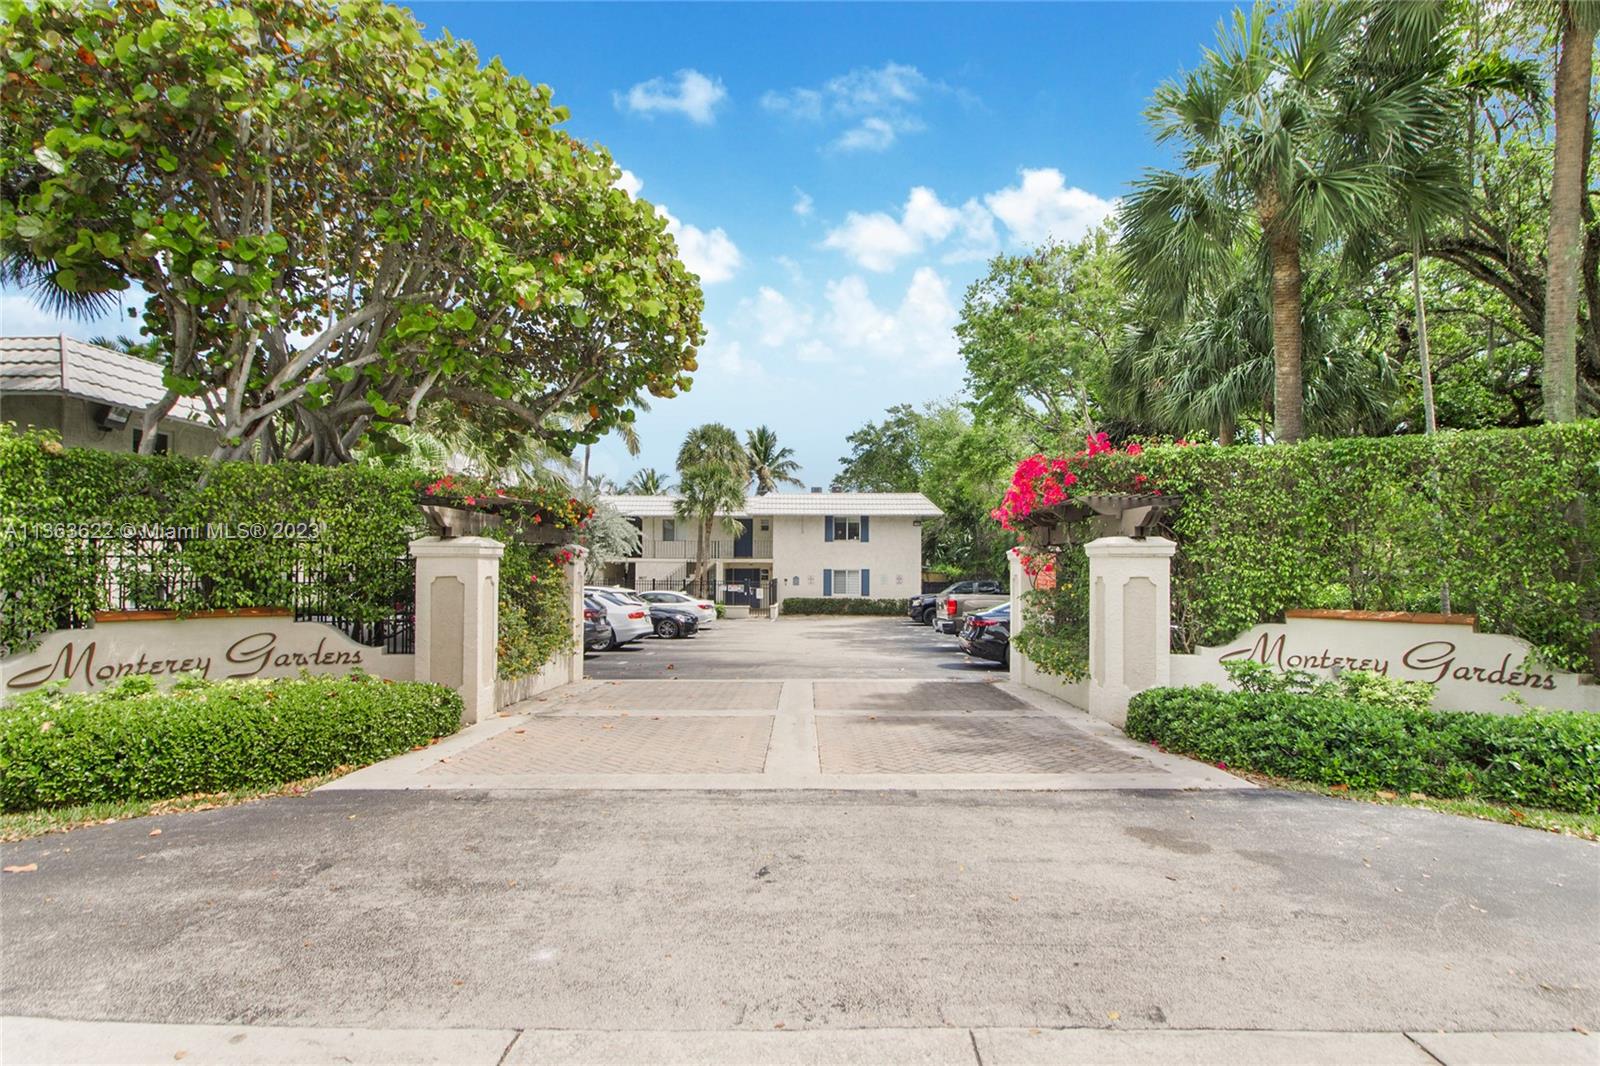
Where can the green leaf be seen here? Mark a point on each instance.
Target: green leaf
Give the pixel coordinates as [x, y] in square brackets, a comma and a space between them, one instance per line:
[50, 159]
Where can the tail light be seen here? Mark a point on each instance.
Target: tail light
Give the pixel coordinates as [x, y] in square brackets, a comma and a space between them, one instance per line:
[636, 614]
[950, 607]
[979, 623]
[591, 616]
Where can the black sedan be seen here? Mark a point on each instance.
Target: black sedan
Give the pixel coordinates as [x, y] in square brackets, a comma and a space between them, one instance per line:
[673, 621]
[596, 628]
[987, 635]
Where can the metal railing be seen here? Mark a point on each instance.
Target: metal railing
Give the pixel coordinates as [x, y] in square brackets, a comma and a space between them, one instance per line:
[746, 593]
[756, 548]
[149, 571]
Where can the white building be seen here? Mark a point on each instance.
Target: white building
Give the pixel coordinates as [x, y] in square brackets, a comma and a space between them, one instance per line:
[788, 544]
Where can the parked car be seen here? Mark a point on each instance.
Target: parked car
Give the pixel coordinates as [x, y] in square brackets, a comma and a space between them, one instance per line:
[672, 620]
[597, 631]
[628, 614]
[923, 608]
[704, 610]
[953, 607]
[987, 635]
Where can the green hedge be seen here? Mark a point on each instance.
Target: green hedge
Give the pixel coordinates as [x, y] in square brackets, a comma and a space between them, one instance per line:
[53, 499]
[842, 605]
[1509, 519]
[1540, 758]
[135, 742]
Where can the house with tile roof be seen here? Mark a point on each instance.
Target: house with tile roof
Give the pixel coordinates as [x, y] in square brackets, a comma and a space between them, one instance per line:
[94, 397]
[787, 544]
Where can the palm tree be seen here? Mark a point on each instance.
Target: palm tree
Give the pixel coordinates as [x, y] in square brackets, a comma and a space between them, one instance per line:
[1574, 69]
[713, 470]
[770, 465]
[1290, 134]
[647, 482]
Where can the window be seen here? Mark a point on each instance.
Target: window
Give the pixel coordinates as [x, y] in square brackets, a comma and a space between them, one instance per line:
[847, 529]
[962, 588]
[990, 588]
[163, 442]
[847, 582]
[669, 529]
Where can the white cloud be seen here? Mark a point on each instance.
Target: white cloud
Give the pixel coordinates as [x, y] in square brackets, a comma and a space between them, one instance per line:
[878, 241]
[629, 182]
[1043, 206]
[711, 254]
[920, 330]
[21, 316]
[689, 93]
[875, 104]
[803, 203]
[775, 321]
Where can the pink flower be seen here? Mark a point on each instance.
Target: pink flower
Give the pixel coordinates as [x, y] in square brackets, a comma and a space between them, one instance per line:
[1134, 449]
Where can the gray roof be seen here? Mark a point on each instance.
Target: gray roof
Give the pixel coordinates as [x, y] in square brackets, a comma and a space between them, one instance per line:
[88, 371]
[902, 504]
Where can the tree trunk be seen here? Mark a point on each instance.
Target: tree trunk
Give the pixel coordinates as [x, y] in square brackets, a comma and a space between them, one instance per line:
[1288, 389]
[1227, 429]
[1430, 424]
[702, 555]
[1573, 71]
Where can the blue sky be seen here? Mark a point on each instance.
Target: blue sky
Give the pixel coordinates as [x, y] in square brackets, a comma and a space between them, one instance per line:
[837, 174]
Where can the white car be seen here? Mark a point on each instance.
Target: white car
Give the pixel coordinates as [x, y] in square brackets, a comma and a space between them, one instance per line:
[704, 610]
[628, 614]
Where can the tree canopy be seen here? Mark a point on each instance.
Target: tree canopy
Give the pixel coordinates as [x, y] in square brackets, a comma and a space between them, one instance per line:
[337, 220]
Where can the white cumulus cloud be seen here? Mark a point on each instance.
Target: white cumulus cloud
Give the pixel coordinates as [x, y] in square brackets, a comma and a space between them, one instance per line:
[920, 330]
[710, 254]
[803, 203]
[878, 241]
[629, 182]
[688, 93]
[874, 105]
[1042, 206]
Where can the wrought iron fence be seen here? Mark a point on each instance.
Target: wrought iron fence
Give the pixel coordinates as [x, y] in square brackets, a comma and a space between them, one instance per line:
[151, 570]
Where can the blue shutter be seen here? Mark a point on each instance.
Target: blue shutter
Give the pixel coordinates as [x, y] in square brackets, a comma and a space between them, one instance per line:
[863, 533]
[827, 582]
[827, 528]
[866, 575]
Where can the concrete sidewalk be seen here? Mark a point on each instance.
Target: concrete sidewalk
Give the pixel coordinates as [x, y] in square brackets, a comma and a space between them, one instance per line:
[26, 1041]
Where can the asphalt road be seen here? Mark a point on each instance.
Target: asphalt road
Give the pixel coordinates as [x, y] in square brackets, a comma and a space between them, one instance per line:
[806, 647]
[745, 910]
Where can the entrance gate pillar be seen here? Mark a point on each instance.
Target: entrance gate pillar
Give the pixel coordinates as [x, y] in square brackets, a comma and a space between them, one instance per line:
[1130, 617]
[458, 616]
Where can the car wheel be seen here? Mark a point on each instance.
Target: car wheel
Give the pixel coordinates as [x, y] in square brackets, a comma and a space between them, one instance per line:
[927, 617]
[666, 628]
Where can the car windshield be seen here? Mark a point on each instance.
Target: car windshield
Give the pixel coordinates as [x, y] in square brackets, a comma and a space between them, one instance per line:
[1002, 611]
[959, 590]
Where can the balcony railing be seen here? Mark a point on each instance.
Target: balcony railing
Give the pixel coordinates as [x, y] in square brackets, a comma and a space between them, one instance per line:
[756, 548]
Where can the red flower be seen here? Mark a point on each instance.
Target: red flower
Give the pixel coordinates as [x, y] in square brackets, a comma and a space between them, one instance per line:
[1134, 449]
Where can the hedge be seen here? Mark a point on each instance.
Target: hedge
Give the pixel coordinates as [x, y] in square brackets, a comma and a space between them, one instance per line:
[842, 605]
[345, 528]
[1508, 519]
[134, 742]
[1540, 759]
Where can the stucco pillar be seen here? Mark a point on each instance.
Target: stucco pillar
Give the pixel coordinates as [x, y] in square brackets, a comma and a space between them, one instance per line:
[1020, 585]
[458, 616]
[574, 575]
[1130, 614]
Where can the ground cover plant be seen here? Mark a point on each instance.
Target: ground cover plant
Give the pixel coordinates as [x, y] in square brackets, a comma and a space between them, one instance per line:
[1363, 731]
[135, 742]
[842, 605]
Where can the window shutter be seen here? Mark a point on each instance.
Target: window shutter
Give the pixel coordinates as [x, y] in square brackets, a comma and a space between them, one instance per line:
[863, 532]
[827, 528]
[827, 582]
[866, 575]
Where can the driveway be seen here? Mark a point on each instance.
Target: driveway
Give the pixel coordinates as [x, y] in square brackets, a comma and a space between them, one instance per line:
[747, 910]
[803, 647]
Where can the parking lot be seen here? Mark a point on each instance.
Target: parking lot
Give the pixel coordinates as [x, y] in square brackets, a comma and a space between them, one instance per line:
[797, 647]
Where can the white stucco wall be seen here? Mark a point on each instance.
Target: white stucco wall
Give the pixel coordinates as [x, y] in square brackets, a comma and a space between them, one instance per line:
[893, 553]
[73, 418]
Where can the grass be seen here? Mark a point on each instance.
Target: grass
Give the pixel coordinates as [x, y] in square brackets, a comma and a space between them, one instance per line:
[27, 824]
[1584, 826]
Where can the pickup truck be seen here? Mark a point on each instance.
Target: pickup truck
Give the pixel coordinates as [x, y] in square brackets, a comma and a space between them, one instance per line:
[953, 605]
[922, 608]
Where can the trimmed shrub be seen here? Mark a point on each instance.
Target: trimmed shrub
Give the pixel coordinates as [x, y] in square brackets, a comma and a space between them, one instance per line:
[1540, 758]
[136, 742]
[841, 605]
[1508, 519]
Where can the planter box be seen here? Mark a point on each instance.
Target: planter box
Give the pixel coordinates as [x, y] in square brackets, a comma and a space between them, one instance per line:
[449, 521]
